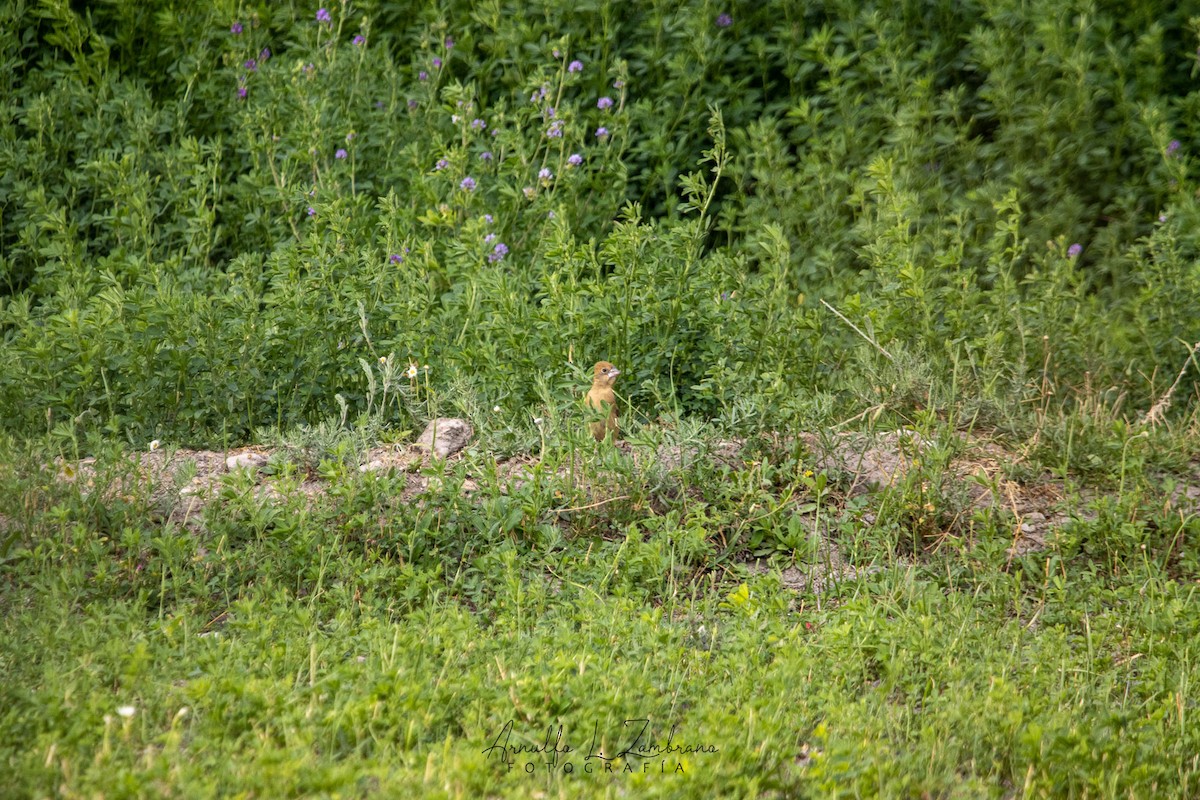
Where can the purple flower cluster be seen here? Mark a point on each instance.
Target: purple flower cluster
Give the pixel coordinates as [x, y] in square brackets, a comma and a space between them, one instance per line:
[555, 130]
[575, 159]
[340, 154]
[486, 155]
[1074, 250]
[264, 54]
[323, 16]
[604, 103]
[601, 132]
[575, 66]
[498, 252]
[251, 65]
[724, 20]
[236, 29]
[360, 40]
[449, 43]
[437, 63]
[545, 174]
[468, 184]
[396, 258]
[242, 92]
[1172, 146]
[441, 164]
[478, 124]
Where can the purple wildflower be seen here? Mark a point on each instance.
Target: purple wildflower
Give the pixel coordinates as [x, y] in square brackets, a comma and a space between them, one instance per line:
[396, 258]
[491, 237]
[341, 153]
[575, 159]
[437, 63]
[449, 42]
[1162, 217]
[555, 129]
[264, 54]
[351, 136]
[575, 66]
[242, 92]
[549, 215]
[422, 75]
[488, 219]
[495, 131]
[603, 103]
[441, 164]
[724, 20]
[601, 132]
[312, 212]
[412, 104]
[323, 15]
[498, 252]
[468, 184]
[360, 40]
[478, 124]
[557, 54]
[1074, 250]
[308, 68]
[486, 155]
[1172, 146]
[379, 104]
[550, 112]
[618, 84]
[545, 174]
[236, 29]
[251, 65]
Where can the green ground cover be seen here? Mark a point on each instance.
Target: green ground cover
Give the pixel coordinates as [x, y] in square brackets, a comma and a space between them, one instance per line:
[315, 229]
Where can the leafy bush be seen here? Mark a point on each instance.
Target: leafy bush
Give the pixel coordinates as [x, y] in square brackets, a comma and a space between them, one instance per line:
[1001, 190]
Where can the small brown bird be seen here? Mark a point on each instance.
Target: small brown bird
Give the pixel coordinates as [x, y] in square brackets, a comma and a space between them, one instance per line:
[601, 398]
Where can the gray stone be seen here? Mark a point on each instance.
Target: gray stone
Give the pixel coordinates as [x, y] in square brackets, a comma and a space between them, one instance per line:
[445, 436]
[248, 460]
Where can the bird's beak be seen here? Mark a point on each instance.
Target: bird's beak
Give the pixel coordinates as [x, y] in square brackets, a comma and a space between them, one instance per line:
[614, 373]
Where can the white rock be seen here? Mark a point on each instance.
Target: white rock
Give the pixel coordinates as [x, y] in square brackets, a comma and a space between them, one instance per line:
[245, 461]
[445, 436]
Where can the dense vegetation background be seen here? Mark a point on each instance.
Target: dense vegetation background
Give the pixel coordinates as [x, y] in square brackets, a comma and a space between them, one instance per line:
[317, 227]
[209, 213]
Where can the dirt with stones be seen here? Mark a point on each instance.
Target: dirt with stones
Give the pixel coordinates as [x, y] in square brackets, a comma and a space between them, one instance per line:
[183, 482]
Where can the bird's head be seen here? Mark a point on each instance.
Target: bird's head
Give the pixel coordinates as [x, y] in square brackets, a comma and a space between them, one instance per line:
[604, 374]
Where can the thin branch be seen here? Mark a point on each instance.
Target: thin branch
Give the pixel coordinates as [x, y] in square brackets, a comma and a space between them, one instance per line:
[1155, 414]
[593, 505]
[857, 330]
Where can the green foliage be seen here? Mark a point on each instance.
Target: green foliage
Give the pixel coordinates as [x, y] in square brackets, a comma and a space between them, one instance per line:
[183, 261]
[223, 223]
